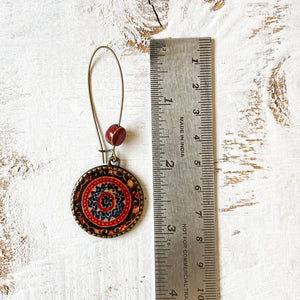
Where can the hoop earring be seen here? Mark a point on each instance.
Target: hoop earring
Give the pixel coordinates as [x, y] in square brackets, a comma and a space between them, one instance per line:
[107, 200]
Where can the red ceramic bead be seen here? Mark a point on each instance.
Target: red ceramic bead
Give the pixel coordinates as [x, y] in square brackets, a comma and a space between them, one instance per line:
[115, 135]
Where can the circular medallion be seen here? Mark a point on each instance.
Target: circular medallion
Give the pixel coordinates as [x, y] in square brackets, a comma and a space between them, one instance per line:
[107, 201]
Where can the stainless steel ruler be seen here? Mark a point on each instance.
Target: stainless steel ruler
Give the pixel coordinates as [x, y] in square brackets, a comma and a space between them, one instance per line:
[183, 169]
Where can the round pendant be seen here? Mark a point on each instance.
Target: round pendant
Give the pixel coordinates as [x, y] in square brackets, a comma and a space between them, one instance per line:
[107, 201]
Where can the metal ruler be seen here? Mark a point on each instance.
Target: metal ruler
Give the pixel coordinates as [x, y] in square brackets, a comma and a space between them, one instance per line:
[183, 169]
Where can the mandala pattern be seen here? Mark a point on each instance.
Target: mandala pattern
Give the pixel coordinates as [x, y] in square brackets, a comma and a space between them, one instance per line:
[107, 201]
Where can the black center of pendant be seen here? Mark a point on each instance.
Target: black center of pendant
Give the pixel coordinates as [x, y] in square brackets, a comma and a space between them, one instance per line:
[106, 201]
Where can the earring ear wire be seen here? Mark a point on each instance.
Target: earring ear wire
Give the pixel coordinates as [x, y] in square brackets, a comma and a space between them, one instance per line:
[115, 134]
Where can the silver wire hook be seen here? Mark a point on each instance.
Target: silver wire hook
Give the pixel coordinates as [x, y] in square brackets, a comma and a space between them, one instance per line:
[95, 117]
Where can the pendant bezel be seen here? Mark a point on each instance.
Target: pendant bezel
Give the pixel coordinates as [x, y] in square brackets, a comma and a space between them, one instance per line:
[123, 179]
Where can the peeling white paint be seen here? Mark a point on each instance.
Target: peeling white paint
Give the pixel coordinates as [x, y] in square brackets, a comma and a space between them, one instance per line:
[45, 117]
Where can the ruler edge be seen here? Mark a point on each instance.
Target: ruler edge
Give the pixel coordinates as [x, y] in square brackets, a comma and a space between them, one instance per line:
[214, 140]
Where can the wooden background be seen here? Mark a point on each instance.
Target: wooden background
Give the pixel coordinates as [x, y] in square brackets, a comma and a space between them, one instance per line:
[47, 140]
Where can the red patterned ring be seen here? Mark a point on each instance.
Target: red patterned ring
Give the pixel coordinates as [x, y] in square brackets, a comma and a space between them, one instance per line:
[107, 201]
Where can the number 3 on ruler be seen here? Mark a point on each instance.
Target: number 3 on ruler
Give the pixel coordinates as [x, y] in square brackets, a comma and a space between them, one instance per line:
[171, 228]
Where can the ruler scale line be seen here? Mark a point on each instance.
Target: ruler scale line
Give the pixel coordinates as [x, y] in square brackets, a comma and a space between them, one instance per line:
[175, 122]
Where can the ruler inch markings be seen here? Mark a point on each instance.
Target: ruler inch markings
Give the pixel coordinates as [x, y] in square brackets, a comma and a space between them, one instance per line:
[184, 223]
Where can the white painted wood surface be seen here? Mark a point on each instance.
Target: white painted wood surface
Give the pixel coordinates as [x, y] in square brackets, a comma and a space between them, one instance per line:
[47, 140]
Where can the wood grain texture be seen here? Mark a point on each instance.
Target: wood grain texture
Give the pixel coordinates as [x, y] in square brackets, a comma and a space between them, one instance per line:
[136, 20]
[47, 140]
[217, 4]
